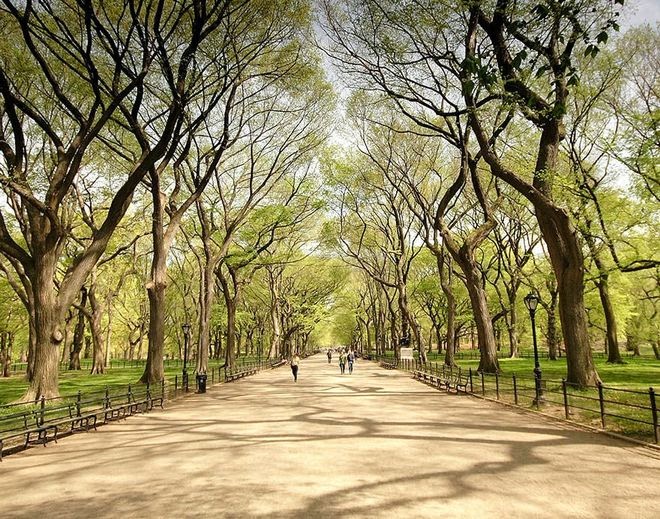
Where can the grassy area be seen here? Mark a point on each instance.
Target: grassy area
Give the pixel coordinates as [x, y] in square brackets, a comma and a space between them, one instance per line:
[638, 373]
[626, 403]
[73, 381]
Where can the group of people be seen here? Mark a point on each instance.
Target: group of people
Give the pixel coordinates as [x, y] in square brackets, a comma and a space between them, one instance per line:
[346, 356]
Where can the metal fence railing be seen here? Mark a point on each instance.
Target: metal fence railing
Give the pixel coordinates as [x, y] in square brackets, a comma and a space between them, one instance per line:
[18, 420]
[629, 412]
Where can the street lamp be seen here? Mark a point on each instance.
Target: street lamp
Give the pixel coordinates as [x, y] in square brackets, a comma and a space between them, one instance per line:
[186, 334]
[531, 302]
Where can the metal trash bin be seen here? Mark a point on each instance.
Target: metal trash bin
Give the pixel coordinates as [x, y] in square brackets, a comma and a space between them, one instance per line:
[201, 382]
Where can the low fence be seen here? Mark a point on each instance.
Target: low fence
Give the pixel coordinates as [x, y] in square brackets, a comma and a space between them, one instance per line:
[19, 419]
[628, 412]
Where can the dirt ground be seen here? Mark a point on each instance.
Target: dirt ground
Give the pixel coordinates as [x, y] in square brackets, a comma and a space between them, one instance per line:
[372, 444]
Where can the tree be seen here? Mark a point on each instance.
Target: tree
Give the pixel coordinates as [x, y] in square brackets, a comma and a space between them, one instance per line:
[496, 58]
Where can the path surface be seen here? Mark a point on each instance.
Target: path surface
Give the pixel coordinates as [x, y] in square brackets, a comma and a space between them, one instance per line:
[373, 444]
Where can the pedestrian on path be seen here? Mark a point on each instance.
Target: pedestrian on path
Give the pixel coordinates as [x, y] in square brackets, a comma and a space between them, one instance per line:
[329, 355]
[295, 361]
[351, 359]
[342, 362]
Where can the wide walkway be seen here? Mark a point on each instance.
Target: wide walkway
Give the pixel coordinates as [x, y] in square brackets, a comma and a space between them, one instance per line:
[372, 444]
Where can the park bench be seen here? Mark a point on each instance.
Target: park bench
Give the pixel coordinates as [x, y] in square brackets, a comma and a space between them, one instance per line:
[131, 402]
[21, 424]
[236, 374]
[387, 365]
[41, 421]
[447, 379]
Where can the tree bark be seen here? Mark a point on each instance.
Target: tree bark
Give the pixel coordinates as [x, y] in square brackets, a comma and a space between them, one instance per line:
[95, 317]
[48, 335]
[445, 270]
[154, 371]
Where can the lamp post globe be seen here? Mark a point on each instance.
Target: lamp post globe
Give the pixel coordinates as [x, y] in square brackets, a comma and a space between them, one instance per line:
[531, 302]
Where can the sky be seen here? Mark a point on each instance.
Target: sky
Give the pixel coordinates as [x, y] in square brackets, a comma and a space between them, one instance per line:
[643, 11]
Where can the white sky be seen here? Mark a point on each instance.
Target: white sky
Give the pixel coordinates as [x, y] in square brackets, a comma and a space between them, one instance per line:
[640, 11]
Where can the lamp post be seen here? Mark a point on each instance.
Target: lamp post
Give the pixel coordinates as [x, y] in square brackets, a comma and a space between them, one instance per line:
[531, 302]
[186, 334]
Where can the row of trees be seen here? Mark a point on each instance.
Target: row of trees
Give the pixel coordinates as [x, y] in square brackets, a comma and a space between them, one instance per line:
[484, 128]
[161, 166]
[118, 120]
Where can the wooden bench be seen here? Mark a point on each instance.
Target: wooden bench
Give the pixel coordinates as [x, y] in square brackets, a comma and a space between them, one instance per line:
[235, 375]
[387, 365]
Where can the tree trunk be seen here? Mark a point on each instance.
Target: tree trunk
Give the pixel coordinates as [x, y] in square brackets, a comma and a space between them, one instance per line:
[207, 296]
[79, 333]
[153, 371]
[230, 302]
[512, 326]
[488, 362]
[611, 340]
[568, 265]
[48, 335]
[6, 346]
[654, 344]
[95, 317]
[275, 342]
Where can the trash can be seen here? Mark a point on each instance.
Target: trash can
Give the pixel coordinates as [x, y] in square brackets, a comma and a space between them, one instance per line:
[201, 382]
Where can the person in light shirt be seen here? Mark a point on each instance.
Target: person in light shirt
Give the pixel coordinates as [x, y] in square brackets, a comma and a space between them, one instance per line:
[295, 361]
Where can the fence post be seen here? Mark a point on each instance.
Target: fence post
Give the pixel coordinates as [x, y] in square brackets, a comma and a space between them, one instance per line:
[497, 385]
[515, 389]
[107, 397]
[483, 387]
[654, 411]
[602, 403]
[43, 410]
[78, 398]
[129, 395]
[176, 384]
[564, 390]
[471, 387]
[162, 390]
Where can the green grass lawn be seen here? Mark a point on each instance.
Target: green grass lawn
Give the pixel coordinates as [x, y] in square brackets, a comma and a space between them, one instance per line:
[638, 373]
[71, 382]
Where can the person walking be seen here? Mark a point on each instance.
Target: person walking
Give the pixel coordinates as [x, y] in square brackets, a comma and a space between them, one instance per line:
[342, 362]
[351, 359]
[329, 355]
[295, 361]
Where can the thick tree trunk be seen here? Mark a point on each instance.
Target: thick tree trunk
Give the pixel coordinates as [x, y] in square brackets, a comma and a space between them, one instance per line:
[48, 336]
[154, 371]
[568, 265]
[488, 362]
